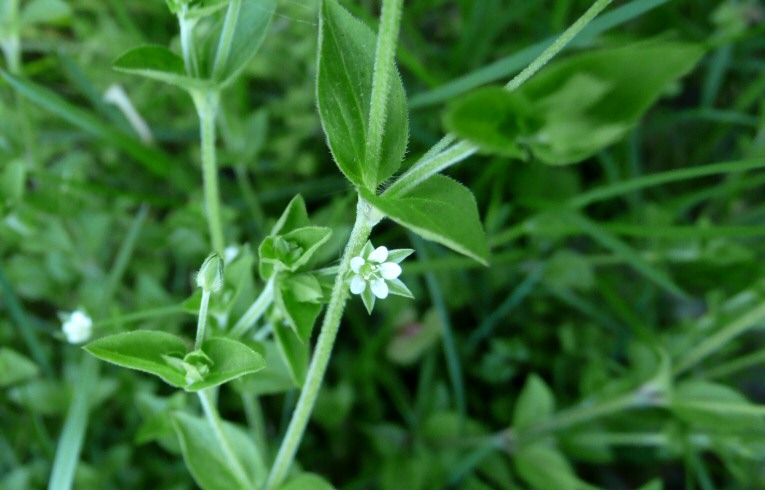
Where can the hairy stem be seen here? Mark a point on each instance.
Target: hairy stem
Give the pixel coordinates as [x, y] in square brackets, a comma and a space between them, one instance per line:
[329, 328]
[207, 106]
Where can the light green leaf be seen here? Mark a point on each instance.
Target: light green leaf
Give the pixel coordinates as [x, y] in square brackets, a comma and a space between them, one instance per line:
[440, 209]
[230, 359]
[300, 315]
[535, 404]
[251, 27]
[492, 118]
[143, 350]
[294, 353]
[15, 367]
[205, 458]
[544, 468]
[307, 481]
[158, 63]
[291, 251]
[716, 406]
[344, 91]
[294, 216]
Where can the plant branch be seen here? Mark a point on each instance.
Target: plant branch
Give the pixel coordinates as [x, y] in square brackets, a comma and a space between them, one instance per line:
[329, 328]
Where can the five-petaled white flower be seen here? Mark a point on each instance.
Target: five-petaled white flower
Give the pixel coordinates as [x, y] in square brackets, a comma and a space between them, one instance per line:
[77, 326]
[375, 274]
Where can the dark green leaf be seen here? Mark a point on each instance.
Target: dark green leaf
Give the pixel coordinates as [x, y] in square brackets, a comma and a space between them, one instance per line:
[158, 63]
[230, 359]
[442, 210]
[143, 350]
[344, 91]
[307, 481]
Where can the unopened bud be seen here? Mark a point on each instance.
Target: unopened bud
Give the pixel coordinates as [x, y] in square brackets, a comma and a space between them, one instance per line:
[210, 275]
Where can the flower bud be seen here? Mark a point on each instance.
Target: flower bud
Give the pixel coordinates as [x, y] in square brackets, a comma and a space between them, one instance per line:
[210, 275]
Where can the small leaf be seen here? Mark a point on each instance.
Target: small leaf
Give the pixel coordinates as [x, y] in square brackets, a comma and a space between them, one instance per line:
[294, 353]
[344, 91]
[293, 217]
[715, 406]
[440, 209]
[157, 63]
[492, 118]
[291, 251]
[230, 360]
[143, 350]
[307, 481]
[206, 459]
[251, 27]
[535, 404]
[15, 367]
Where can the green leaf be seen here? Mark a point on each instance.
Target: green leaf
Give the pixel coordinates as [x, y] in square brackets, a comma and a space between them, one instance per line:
[15, 367]
[492, 118]
[544, 468]
[294, 353]
[344, 91]
[205, 458]
[715, 406]
[300, 315]
[440, 209]
[590, 101]
[291, 251]
[143, 350]
[230, 359]
[275, 378]
[535, 404]
[250, 29]
[294, 216]
[158, 63]
[656, 484]
[307, 481]
[203, 8]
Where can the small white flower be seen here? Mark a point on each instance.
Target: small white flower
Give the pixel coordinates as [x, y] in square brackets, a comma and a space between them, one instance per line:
[379, 269]
[77, 326]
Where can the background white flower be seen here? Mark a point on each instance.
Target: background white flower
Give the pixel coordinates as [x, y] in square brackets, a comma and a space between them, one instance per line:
[77, 326]
[375, 274]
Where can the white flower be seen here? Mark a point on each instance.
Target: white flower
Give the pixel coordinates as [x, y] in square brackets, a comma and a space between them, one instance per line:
[77, 326]
[379, 269]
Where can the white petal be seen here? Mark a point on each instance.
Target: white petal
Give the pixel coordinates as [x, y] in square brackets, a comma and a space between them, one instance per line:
[379, 255]
[356, 264]
[390, 270]
[358, 284]
[379, 288]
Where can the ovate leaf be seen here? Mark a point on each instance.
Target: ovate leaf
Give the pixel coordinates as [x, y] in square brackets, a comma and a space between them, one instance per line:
[230, 359]
[158, 63]
[143, 350]
[206, 459]
[715, 406]
[535, 404]
[440, 209]
[344, 91]
[544, 468]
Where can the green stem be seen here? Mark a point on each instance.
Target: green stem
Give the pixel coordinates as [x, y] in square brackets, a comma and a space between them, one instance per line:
[722, 337]
[75, 425]
[384, 68]
[216, 423]
[187, 43]
[254, 414]
[434, 162]
[207, 106]
[254, 312]
[329, 328]
[224, 44]
[202, 320]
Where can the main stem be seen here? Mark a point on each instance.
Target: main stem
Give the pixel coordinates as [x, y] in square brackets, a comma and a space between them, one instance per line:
[207, 107]
[329, 328]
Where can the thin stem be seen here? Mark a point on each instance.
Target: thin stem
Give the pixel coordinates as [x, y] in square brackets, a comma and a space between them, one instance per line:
[254, 312]
[207, 105]
[224, 44]
[254, 414]
[187, 43]
[202, 320]
[432, 164]
[216, 424]
[384, 69]
[329, 328]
